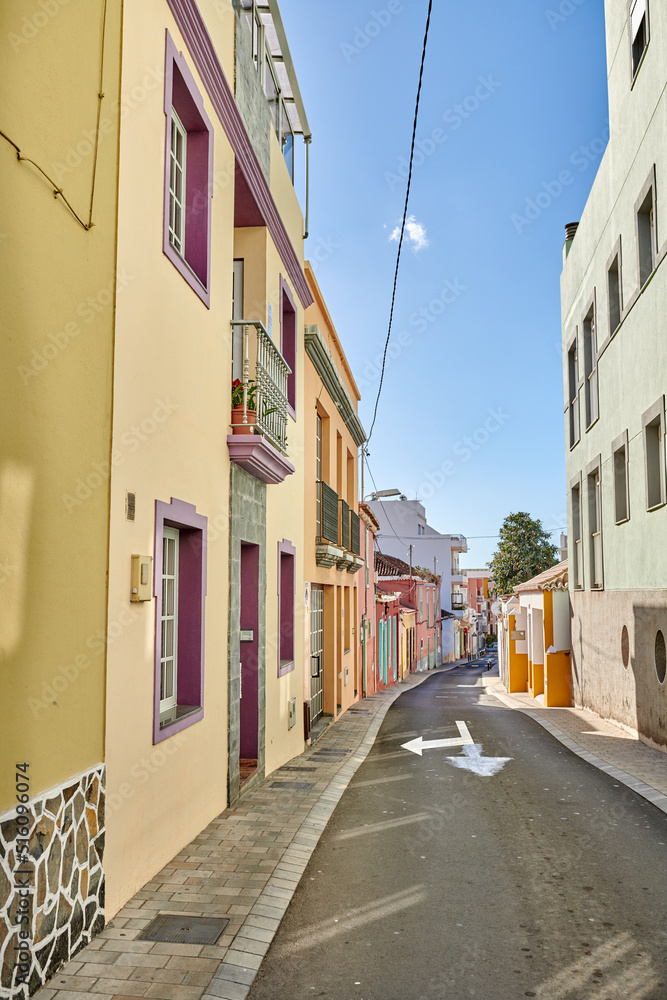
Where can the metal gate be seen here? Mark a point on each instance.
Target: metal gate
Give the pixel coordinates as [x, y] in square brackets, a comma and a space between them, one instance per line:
[316, 652]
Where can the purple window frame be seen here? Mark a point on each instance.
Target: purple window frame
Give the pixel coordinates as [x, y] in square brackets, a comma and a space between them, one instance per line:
[182, 94]
[192, 553]
[288, 343]
[286, 595]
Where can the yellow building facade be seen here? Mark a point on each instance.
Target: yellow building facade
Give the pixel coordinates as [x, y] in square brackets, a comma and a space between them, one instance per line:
[332, 527]
[151, 547]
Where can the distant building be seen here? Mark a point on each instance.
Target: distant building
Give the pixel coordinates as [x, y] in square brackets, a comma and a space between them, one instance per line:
[405, 530]
[408, 619]
[534, 638]
[614, 303]
[480, 588]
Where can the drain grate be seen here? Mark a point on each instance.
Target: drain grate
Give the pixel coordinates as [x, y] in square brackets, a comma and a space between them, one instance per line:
[180, 928]
[296, 786]
[294, 767]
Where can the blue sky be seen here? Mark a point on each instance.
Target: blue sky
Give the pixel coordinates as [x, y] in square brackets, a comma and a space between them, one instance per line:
[513, 111]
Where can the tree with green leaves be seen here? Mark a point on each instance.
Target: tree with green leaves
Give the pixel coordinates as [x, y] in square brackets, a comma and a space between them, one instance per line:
[524, 550]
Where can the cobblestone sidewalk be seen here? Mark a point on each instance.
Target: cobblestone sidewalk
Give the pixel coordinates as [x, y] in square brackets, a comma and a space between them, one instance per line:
[244, 866]
[602, 743]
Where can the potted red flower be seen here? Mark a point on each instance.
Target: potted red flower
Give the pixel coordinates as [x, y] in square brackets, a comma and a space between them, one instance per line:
[238, 424]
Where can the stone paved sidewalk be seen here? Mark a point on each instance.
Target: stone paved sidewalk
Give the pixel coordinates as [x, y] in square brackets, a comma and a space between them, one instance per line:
[244, 866]
[599, 741]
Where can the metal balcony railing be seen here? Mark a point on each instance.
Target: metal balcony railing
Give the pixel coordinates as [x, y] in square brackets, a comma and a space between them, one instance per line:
[327, 503]
[457, 602]
[355, 533]
[344, 538]
[264, 378]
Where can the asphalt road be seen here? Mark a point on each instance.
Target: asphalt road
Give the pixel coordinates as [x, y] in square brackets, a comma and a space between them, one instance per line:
[546, 879]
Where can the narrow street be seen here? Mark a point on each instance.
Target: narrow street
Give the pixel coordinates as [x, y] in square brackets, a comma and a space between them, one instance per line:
[544, 879]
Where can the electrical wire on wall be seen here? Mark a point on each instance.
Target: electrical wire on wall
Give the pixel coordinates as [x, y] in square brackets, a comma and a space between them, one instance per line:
[58, 191]
[405, 214]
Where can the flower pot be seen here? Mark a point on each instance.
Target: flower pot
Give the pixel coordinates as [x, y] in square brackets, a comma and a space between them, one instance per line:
[238, 427]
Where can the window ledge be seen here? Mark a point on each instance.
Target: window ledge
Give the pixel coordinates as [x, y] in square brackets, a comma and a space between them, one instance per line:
[592, 423]
[258, 457]
[656, 506]
[623, 520]
[177, 714]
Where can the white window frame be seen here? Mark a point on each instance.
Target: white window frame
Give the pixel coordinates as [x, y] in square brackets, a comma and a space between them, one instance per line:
[170, 702]
[177, 168]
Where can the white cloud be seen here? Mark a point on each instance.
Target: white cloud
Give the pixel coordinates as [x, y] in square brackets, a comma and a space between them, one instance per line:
[415, 233]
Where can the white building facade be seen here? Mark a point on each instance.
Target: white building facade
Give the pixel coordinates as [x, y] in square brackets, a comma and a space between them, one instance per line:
[614, 307]
[405, 533]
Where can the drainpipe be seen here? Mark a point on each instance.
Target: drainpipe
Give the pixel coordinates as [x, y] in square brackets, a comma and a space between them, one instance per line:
[307, 140]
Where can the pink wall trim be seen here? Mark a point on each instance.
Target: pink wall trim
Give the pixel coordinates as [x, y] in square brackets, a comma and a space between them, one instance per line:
[285, 548]
[192, 27]
[200, 160]
[289, 351]
[192, 565]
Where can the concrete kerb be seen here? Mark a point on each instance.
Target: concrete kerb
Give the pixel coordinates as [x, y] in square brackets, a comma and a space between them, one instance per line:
[235, 975]
[648, 792]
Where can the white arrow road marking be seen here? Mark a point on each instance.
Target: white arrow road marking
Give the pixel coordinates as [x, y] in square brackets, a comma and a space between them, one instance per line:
[419, 745]
[472, 760]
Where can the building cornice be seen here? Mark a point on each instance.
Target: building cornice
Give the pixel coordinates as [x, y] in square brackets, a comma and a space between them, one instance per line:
[325, 366]
[193, 29]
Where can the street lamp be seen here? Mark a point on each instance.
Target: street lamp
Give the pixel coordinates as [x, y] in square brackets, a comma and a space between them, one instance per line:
[382, 494]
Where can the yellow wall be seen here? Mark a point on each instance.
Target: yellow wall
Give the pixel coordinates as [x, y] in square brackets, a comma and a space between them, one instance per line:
[342, 476]
[169, 348]
[55, 403]
[518, 663]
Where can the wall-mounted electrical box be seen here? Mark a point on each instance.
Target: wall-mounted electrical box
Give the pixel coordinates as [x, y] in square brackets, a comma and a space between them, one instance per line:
[292, 713]
[142, 578]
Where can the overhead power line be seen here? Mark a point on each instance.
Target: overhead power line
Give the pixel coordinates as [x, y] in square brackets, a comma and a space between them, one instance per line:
[405, 214]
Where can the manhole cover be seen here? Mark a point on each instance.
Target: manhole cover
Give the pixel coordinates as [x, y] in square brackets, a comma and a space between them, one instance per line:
[179, 928]
[296, 786]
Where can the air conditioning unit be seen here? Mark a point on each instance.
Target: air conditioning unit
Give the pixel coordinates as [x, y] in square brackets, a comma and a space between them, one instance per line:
[292, 713]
